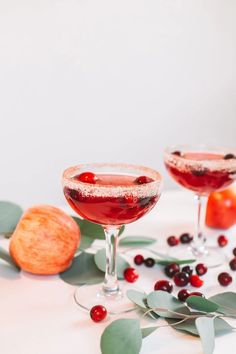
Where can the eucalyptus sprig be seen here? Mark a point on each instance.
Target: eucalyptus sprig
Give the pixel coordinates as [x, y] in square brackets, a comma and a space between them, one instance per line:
[125, 335]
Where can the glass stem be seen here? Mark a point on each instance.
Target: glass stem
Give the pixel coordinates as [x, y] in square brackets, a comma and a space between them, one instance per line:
[110, 285]
[198, 243]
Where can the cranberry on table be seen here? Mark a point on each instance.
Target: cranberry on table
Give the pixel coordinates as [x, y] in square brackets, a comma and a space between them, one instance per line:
[143, 180]
[171, 269]
[196, 281]
[232, 264]
[181, 279]
[172, 241]
[201, 269]
[98, 313]
[187, 269]
[138, 259]
[131, 275]
[164, 285]
[196, 293]
[183, 294]
[149, 262]
[234, 251]
[222, 241]
[185, 238]
[87, 177]
[224, 279]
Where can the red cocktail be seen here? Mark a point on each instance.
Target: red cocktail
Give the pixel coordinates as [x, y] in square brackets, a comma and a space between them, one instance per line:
[202, 170]
[110, 195]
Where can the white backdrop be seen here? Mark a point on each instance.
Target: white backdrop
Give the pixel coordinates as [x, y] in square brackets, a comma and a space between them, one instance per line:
[88, 80]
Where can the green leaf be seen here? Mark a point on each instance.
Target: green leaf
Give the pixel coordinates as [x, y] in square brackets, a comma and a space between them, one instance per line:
[6, 257]
[177, 261]
[100, 261]
[221, 326]
[205, 327]
[83, 271]
[188, 326]
[201, 304]
[10, 214]
[147, 331]
[226, 302]
[122, 336]
[137, 297]
[163, 255]
[163, 300]
[136, 241]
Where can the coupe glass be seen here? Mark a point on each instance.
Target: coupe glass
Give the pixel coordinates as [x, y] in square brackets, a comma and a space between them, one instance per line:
[114, 200]
[202, 170]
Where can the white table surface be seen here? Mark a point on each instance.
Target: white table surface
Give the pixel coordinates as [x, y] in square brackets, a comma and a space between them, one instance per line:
[38, 314]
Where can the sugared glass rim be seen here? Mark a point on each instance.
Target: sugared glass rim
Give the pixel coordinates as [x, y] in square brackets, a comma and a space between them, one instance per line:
[150, 188]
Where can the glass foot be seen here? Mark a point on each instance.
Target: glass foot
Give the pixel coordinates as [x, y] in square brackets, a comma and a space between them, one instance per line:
[212, 257]
[87, 296]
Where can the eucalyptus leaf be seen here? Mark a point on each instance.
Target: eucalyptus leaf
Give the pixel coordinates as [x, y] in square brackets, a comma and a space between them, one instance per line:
[4, 255]
[163, 255]
[10, 215]
[177, 261]
[147, 331]
[136, 241]
[205, 327]
[201, 304]
[83, 271]
[137, 297]
[221, 326]
[226, 302]
[187, 326]
[163, 300]
[100, 261]
[122, 336]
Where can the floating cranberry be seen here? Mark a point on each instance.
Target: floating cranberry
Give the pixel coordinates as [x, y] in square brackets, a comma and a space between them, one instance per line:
[222, 240]
[138, 259]
[196, 281]
[143, 180]
[185, 238]
[201, 269]
[131, 275]
[98, 313]
[149, 262]
[172, 241]
[183, 294]
[196, 293]
[177, 153]
[229, 156]
[171, 269]
[87, 177]
[234, 251]
[187, 269]
[164, 285]
[181, 279]
[232, 264]
[199, 173]
[224, 279]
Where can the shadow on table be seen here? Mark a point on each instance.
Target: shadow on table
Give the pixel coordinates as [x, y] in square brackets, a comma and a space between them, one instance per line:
[7, 272]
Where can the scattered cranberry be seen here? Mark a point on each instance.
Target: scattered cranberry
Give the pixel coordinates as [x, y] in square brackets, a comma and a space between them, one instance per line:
[177, 153]
[143, 180]
[224, 279]
[222, 240]
[149, 262]
[229, 156]
[138, 259]
[171, 269]
[164, 285]
[98, 313]
[183, 295]
[185, 238]
[131, 275]
[232, 264]
[201, 269]
[196, 293]
[181, 279]
[187, 269]
[234, 251]
[87, 177]
[196, 281]
[172, 241]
